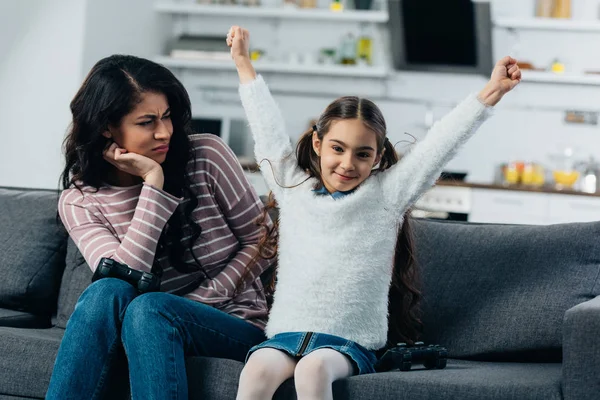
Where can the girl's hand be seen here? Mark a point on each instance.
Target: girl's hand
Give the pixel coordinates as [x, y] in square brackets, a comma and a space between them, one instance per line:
[135, 164]
[506, 75]
[238, 39]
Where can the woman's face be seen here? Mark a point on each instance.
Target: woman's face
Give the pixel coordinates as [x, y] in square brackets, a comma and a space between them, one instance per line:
[147, 129]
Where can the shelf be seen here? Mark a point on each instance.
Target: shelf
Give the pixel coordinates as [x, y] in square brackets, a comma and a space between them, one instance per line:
[327, 70]
[172, 7]
[547, 24]
[549, 77]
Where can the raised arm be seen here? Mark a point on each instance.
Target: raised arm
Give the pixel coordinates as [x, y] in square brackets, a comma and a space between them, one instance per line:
[273, 149]
[418, 170]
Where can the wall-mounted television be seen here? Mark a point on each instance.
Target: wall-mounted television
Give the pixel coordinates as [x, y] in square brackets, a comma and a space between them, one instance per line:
[441, 35]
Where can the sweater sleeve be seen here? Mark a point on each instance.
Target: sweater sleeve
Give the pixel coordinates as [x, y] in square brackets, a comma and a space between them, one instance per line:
[273, 148]
[417, 171]
[95, 238]
[241, 207]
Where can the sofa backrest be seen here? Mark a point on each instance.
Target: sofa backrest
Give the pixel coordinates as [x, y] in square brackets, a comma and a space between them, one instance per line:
[32, 250]
[499, 292]
[76, 278]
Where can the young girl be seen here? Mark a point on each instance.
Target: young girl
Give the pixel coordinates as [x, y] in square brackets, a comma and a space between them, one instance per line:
[339, 219]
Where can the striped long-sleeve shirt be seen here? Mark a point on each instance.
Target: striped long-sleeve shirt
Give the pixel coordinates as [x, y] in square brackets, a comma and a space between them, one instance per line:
[125, 223]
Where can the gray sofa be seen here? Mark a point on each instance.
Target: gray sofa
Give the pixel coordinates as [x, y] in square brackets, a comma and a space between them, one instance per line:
[516, 306]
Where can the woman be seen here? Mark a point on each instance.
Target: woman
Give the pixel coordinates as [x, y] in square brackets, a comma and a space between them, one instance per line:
[141, 189]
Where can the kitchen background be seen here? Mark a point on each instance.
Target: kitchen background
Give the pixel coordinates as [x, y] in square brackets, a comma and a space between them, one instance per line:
[550, 123]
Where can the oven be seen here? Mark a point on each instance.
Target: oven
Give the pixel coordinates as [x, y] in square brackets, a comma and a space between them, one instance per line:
[444, 202]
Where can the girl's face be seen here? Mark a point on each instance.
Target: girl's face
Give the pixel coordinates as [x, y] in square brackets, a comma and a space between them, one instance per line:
[147, 129]
[348, 153]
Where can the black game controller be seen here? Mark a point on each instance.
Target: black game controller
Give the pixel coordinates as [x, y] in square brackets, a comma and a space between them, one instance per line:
[142, 281]
[403, 357]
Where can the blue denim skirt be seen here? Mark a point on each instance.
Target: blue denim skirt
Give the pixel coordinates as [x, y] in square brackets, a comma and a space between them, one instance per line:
[299, 344]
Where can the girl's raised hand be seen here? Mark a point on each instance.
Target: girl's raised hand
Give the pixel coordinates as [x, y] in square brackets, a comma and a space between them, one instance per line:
[238, 39]
[506, 75]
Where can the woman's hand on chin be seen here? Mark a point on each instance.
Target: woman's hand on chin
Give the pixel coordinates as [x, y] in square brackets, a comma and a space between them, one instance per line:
[135, 164]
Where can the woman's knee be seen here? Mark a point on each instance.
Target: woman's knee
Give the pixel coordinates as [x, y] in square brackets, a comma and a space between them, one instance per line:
[148, 312]
[104, 299]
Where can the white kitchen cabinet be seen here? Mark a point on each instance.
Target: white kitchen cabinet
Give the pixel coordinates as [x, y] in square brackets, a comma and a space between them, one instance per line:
[516, 207]
[571, 208]
[510, 207]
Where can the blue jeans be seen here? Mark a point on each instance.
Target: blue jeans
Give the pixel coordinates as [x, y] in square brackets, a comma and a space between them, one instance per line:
[157, 330]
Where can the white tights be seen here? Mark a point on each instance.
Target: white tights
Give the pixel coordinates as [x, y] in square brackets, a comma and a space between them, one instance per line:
[268, 368]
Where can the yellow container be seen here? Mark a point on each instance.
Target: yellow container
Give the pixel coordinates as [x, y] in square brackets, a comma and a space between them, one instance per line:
[336, 5]
[511, 174]
[565, 178]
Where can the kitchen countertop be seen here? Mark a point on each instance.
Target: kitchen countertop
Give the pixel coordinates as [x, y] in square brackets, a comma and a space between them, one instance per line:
[516, 188]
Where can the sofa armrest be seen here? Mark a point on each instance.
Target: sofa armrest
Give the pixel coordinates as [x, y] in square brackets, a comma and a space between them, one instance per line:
[581, 351]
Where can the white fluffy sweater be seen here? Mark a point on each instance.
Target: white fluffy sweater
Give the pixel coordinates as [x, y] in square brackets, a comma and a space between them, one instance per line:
[335, 255]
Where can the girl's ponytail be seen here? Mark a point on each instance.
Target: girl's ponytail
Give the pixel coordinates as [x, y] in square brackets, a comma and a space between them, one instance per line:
[389, 156]
[307, 158]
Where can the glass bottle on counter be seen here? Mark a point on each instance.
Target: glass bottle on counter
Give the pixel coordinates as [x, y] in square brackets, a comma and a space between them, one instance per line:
[564, 173]
[590, 176]
[348, 50]
[364, 45]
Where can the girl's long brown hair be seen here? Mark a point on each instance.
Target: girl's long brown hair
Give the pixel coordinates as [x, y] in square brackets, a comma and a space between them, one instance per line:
[404, 296]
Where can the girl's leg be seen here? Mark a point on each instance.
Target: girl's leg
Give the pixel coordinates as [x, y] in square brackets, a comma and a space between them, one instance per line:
[265, 370]
[160, 330]
[91, 341]
[317, 371]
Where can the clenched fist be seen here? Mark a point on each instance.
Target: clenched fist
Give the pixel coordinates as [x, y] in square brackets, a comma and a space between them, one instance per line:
[238, 39]
[506, 75]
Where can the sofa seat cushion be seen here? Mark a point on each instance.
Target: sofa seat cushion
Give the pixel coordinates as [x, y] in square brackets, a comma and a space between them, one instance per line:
[464, 380]
[217, 379]
[32, 248]
[19, 319]
[500, 292]
[27, 360]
